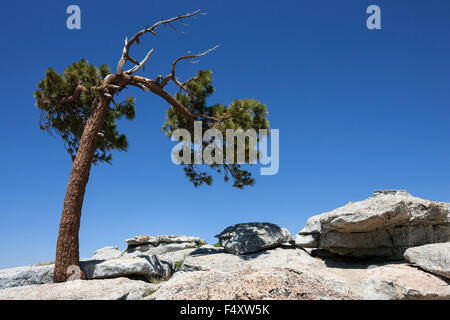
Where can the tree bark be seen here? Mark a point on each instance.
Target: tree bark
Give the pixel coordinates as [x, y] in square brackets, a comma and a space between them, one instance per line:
[67, 249]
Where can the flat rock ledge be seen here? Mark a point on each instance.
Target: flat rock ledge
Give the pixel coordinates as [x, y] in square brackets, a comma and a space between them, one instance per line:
[382, 226]
[144, 267]
[434, 258]
[156, 240]
[160, 245]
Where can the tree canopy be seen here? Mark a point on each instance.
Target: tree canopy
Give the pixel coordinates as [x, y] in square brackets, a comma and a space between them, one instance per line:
[67, 117]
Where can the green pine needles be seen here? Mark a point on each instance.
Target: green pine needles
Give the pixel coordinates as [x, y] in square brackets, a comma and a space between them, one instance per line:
[68, 118]
[240, 114]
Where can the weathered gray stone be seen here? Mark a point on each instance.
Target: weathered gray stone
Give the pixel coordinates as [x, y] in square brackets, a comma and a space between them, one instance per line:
[388, 208]
[216, 259]
[389, 243]
[181, 239]
[156, 240]
[106, 253]
[107, 289]
[398, 282]
[209, 246]
[144, 266]
[246, 284]
[307, 241]
[138, 240]
[181, 255]
[22, 276]
[176, 256]
[434, 258]
[246, 238]
[160, 249]
[382, 226]
[280, 273]
[161, 245]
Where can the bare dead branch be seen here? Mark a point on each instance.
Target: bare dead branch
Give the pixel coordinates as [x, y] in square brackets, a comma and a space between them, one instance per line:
[141, 64]
[124, 58]
[113, 86]
[136, 38]
[191, 56]
[157, 86]
[172, 75]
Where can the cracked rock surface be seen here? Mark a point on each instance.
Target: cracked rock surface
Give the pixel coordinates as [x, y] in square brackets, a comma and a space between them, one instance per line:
[433, 258]
[106, 289]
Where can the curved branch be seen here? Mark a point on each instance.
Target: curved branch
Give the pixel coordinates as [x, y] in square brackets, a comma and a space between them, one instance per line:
[150, 85]
[191, 56]
[172, 74]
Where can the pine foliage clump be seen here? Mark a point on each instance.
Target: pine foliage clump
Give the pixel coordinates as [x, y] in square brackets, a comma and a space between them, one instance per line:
[68, 118]
[240, 114]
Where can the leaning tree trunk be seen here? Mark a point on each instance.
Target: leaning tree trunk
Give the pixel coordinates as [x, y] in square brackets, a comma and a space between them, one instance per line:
[67, 249]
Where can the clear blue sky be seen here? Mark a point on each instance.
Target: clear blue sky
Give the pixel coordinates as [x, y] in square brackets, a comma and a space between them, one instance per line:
[357, 110]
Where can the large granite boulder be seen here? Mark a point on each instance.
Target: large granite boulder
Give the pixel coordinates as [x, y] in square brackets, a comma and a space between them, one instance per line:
[246, 238]
[434, 258]
[107, 289]
[22, 276]
[159, 245]
[382, 226]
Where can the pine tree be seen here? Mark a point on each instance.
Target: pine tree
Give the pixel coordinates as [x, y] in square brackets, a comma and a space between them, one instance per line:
[80, 106]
